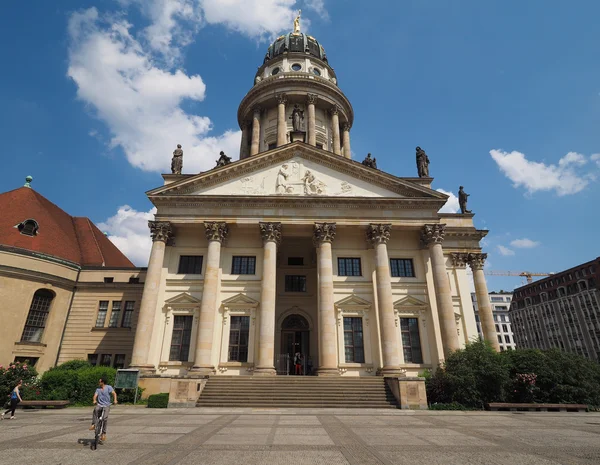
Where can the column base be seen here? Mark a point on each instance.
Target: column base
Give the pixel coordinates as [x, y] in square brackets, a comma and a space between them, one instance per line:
[202, 370]
[264, 371]
[391, 371]
[144, 369]
[328, 372]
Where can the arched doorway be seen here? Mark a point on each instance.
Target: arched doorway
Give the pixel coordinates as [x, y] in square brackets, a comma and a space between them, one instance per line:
[295, 337]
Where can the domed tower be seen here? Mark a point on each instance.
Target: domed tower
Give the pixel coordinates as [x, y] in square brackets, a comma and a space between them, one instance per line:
[295, 97]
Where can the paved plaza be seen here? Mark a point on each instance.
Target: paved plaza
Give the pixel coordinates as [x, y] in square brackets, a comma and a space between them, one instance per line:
[300, 437]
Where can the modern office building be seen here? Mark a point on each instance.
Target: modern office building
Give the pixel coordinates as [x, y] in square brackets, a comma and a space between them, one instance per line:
[500, 304]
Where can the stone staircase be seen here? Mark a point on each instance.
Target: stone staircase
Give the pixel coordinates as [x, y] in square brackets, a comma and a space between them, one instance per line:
[296, 392]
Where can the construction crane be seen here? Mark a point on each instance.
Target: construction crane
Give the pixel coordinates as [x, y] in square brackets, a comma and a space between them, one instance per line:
[524, 274]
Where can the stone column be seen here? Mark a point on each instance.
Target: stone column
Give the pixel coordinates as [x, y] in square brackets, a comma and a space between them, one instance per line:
[245, 143]
[378, 235]
[161, 232]
[488, 327]
[255, 145]
[281, 120]
[216, 233]
[324, 233]
[432, 235]
[335, 123]
[311, 100]
[346, 139]
[271, 234]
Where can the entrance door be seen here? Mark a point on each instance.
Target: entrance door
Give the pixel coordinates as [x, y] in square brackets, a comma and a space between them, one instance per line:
[295, 337]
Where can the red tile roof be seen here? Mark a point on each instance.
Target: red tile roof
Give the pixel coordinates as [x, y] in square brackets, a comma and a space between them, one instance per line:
[61, 235]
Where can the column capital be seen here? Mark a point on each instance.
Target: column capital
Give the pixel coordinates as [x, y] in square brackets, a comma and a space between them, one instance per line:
[311, 99]
[432, 234]
[270, 232]
[281, 98]
[477, 260]
[161, 231]
[216, 230]
[324, 232]
[346, 126]
[459, 260]
[379, 233]
[256, 110]
[335, 109]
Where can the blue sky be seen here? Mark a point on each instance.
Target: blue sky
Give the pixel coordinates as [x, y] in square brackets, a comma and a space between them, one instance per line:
[503, 95]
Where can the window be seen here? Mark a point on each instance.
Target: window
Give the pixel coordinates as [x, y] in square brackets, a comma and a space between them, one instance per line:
[353, 340]
[402, 267]
[38, 314]
[275, 71]
[243, 265]
[320, 146]
[497, 328]
[477, 318]
[115, 314]
[109, 280]
[28, 227]
[190, 264]
[105, 360]
[349, 267]
[317, 71]
[93, 359]
[500, 339]
[505, 328]
[134, 280]
[296, 261]
[238, 338]
[102, 311]
[272, 145]
[31, 361]
[296, 67]
[295, 283]
[497, 299]
[180, 341]
[507, 339]
[128, 314]
[411, 341]
[119, 361]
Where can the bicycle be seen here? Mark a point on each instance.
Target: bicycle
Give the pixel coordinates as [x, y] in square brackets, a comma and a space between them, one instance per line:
[98, 430]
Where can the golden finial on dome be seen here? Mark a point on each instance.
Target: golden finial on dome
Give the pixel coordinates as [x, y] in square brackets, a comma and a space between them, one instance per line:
[297, 23]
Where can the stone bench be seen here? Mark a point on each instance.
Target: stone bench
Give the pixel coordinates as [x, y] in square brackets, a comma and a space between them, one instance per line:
[504, 406]
[43, 403]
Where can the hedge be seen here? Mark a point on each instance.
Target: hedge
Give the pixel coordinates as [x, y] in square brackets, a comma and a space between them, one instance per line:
[75, 385]
[158, 400]
[477, 375]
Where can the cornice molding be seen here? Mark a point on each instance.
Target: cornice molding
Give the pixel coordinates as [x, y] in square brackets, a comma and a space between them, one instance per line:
[37, 276]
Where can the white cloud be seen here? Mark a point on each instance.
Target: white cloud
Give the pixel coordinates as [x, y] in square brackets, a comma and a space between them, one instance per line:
[128, 230]
[451, 205]
[596, 157]
[318, 6]
[505, 251]
[524, 243]
[565, 178]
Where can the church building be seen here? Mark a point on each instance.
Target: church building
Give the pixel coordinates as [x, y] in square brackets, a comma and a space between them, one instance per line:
[296, 254]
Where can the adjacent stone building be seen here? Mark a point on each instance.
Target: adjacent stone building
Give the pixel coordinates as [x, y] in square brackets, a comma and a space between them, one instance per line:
[500, 304]
[561, 311]
[66, 291]
[297, 249]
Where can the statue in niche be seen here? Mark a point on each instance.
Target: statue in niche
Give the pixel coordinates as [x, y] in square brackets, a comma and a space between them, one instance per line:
[422, 163]
[297, 118]
[223, 160]
[177, 160]
[462, 200]
[370, 162]
[281, 186]
[312, 186]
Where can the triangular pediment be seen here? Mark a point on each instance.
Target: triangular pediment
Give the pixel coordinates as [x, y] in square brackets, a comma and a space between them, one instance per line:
[240, 300]
[409, 302]
[297, 170]
[353, 301]
[182, 299]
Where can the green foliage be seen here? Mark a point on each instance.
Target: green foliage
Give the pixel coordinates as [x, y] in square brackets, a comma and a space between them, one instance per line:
[477, 375]
[450, 406]
[75, 385]
[77, 364]
[127, 396]
[10, 376]
[158, 400]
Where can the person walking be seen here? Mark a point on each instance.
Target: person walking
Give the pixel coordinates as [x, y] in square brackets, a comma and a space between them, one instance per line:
[102, 402]
[15, 398]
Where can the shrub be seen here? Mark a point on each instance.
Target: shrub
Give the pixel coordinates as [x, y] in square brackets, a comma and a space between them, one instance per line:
[75, 385]
[10, 376]
[158, 400]
[77, 364]
[127, 396]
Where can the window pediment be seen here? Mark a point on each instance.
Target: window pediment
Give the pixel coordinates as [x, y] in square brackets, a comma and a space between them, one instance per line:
[239, 302]
[182, 301]
[353, 303]
[410, 306]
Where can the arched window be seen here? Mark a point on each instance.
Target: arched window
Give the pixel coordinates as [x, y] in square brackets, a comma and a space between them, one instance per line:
[28, 227]
[38, 314]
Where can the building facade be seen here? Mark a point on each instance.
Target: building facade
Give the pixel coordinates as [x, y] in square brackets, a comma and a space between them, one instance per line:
[56, 272]
[500, 304]
[561, 311]
[297, 249]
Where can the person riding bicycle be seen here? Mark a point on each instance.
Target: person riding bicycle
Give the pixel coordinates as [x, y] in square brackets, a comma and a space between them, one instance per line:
[102, 402]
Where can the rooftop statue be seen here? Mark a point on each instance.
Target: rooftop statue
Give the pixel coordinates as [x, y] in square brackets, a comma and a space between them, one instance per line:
[462, 200]
[223, 160]
[422, 163]
[370, 162]
[297, 23]
[177, 160]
